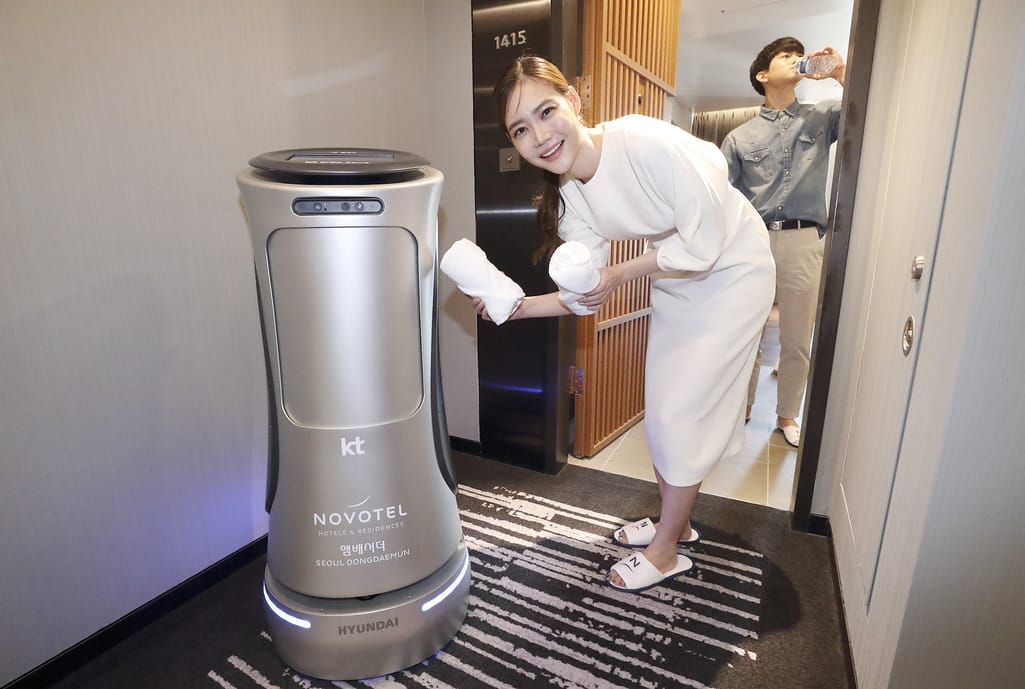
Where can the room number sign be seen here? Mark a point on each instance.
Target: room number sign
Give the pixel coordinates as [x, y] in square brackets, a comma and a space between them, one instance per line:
[511, 40]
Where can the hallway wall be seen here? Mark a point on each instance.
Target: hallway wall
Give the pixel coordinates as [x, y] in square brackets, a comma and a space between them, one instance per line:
[133, 413]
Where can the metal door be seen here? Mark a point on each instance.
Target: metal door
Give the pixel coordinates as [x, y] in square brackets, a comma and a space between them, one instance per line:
[524, 365]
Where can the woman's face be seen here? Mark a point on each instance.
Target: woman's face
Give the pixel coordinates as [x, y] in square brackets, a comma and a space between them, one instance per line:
[544, 127]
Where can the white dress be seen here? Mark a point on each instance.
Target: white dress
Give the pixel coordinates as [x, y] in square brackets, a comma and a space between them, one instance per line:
[711, 300]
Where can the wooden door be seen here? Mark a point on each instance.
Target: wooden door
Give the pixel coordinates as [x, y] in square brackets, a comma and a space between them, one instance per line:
[629, 66]
[922, 50]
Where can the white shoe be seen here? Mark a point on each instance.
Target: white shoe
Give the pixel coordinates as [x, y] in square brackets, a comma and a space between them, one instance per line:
[638, 574]
[640, 533]
[792, 434]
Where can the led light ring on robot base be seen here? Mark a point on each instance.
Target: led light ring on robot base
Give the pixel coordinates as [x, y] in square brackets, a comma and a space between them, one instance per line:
[303, 623]
[369, 636]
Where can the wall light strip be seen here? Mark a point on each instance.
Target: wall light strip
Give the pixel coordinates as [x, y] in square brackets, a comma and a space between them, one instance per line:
[450, 588]
[291, 619]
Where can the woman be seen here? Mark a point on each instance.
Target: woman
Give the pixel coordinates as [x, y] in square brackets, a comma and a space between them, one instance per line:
[712, 279]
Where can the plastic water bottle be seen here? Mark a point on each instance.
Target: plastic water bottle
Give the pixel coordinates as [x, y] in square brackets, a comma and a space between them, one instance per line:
[819, 64]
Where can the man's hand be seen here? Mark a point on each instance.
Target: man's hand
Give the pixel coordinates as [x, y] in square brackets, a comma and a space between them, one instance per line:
[838, 73]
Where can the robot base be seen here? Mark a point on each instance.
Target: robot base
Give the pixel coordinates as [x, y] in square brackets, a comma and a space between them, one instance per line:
[353, 638]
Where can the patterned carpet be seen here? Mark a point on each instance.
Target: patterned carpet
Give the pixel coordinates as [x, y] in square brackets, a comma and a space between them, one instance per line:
[759, 608]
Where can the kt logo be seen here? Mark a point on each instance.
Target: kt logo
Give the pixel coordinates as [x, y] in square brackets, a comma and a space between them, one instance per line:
[352, 447]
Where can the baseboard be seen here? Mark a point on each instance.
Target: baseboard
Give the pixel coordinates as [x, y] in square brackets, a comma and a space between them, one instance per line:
[819, 524]
[116, 632]
[852, 679]
[468, 447]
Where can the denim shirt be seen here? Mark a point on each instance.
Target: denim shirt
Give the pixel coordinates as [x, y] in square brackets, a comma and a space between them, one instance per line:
[779, 160]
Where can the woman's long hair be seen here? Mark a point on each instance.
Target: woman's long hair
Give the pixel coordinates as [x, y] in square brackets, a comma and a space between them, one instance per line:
[549, 203]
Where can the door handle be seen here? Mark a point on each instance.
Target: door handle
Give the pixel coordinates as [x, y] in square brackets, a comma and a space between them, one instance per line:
[908, 337]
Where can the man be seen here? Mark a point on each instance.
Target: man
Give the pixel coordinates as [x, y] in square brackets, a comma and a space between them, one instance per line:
[779, 161]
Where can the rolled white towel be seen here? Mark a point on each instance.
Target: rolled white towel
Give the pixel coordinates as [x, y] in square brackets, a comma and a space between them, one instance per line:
[573, 269]
[468, 265]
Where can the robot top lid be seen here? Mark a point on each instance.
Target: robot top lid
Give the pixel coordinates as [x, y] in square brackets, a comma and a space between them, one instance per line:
[339, 166]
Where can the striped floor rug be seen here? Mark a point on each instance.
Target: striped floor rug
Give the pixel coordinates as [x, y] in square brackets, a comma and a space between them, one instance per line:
[758, 610]
[541, 607]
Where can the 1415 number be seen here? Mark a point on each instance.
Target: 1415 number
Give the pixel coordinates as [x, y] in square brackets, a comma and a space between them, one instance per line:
[511, 40]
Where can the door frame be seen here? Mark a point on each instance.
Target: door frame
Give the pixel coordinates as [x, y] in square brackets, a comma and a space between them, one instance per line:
[860, 56]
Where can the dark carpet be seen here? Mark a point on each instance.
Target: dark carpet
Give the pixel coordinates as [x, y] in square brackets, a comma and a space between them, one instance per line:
[759, 609]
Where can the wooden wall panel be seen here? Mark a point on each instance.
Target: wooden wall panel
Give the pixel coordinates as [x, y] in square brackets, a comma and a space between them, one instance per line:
[630, 67]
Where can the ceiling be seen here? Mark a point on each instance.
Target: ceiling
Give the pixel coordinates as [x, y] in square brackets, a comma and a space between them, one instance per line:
[720, 38]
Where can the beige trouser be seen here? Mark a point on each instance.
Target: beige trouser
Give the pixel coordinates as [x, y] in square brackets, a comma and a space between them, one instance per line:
[798, 256]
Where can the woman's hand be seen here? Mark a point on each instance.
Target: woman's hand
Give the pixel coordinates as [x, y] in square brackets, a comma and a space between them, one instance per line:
[611, 278]
[480, 308]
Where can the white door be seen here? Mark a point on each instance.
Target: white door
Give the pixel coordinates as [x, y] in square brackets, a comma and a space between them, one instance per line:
[922, 50]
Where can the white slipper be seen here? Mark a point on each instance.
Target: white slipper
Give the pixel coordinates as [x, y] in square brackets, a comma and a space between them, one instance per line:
[638, 574]
[792, 434]
[640, 533]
